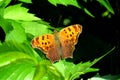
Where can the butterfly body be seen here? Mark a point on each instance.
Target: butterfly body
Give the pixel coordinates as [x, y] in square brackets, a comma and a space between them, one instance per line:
[60, 44]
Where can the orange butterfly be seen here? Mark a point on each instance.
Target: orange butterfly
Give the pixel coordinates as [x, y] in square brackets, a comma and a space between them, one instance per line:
[60, 44]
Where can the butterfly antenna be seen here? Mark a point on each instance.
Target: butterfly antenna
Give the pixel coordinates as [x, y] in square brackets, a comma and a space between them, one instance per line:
[59, 20]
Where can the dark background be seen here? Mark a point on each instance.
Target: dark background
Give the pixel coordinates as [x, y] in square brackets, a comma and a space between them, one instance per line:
[100, 34]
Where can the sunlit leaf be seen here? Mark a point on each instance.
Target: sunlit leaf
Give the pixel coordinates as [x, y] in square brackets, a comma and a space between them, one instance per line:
[107, 5]
[16, 63]
[10, 57]
[6, 25]
[46, 71]
[16, 12]
[17, 34]
[26, 1]
[4, 3]
[7, 47]
[36, 28]
[20, 69]
[71, 71]
[73, 3]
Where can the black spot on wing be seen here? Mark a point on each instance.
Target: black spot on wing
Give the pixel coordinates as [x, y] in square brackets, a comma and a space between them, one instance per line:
[69, 29]
[42, 43]
[45, 43]
[43, 37]
[73, 33]
[47, 37]
[70, 35]
[48, 42]
[65, 31]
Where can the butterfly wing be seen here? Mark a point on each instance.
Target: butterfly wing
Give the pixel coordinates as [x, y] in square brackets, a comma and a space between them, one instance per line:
[68, 38]
[46, 43]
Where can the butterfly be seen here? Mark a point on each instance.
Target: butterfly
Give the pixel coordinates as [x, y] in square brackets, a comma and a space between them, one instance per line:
[60, 44]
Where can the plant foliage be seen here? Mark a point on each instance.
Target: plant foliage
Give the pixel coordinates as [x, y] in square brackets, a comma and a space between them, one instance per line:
[19, 61]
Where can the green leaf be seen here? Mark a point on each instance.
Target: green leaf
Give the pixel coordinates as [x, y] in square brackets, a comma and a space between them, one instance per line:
[10, 57]
[36, 28]
[26, 1]
[107, 5]
[16, 12]
[64, 2]
[17, 34]
[73, 3]
[21, 69]
[4, 3]
[96, 60]
[17, 61]
[6, 25]
[82, 68]
[1, 12]
[46, 71]
[105, 77]
[106, 14]
[71, 71]
[14, 46]
[0, 43]
[88, 12]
